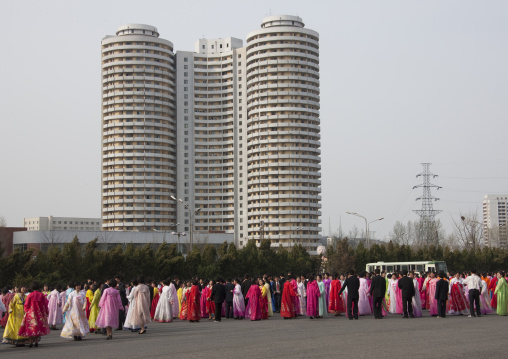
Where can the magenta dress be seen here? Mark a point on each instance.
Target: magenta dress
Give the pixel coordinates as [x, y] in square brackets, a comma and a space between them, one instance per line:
[296, 300]
[203, 300]
[55, 316]
[421, 292]
[253, 309]
[312, 299]
[327, 283]
[238, 302]
[110, 305]
[398, 300]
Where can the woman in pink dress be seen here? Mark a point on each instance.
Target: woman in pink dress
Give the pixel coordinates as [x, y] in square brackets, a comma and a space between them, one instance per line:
[312, 298]
[364, 307]
[55, 316]
[110, 305]
[35, 321]
[253, 310]
[238, 301]
[203, 301]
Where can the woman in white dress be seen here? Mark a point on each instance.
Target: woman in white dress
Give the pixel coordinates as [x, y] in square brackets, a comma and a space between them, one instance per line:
[128, 325]
[164, 310]
[175, 306]
[76, 324]
[302, 293]
[392, 283]
[417, 301]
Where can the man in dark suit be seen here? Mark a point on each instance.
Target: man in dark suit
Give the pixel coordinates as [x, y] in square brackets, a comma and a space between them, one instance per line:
[229, 298]
[407, 287]
[277, 293]
[352, 283]
[218, 296]
[441, 295]
[123, 297]
[377, 292]
[245, 288]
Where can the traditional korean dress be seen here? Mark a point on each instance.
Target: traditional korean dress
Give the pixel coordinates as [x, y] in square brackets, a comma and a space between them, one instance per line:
[502, 296]
[164, 310]
[253, 309]
[458, 302]
[35, 321]
[205, 293]
[55, 316]
[6, 300]
[76, 324]
[322, 299]
[238, 302]
[302, 292]
[16, 312]
[335, 304]
[263, 302]
[485, 299]
[110, 305]
[155, 301]
[364, 307]
[175, 307]
[313, 295]
[141, 309]
[94, 310]
[431, 290]
[393, 296]
[194, 311]
[185, 303]
[179, 294]
[417, 301]
[269, 299]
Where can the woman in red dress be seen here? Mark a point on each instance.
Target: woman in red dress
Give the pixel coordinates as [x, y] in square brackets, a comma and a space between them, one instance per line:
[185, 302]
[287, 308]
[336, 305]
[35, 321]
[194, 313]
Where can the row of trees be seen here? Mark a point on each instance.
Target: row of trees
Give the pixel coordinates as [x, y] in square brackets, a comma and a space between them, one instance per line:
[342, 256]
[77, 261]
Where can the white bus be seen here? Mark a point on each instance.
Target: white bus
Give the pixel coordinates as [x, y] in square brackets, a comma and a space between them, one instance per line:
[417, 267]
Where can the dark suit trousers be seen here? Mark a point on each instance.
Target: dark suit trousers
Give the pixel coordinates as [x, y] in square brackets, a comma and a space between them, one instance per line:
[218, 311]
[474, 298]
[352, 302]
[277, 297]
[378, 303]
[407, 306]
[229, 309]
[121, 319]
[441, 308]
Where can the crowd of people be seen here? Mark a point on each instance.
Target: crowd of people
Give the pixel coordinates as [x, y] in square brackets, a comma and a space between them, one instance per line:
[104, 306]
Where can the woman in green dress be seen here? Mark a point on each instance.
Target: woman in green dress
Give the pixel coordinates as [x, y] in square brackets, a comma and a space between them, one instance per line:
[502, 294]
[16, 313]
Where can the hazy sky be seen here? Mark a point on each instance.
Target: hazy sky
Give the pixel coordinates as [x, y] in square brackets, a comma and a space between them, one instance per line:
[402, 82]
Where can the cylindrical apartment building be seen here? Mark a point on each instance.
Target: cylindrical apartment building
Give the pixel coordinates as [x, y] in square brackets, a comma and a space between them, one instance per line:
[283, 132]
[138, 130]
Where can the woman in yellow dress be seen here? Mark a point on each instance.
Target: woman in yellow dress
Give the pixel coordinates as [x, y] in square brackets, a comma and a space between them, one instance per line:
[16, 314]
[179, 293]
[94, 307]
[269, 299]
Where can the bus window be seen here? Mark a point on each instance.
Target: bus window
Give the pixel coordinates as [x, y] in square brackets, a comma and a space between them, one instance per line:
[404, 267]
[389, 269]
[419, 268]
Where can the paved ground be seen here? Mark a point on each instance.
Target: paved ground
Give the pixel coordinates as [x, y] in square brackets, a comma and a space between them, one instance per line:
[392, 337]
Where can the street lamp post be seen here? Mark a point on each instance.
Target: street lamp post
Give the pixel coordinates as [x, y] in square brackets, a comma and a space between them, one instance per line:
[192, 213]
[367, 223]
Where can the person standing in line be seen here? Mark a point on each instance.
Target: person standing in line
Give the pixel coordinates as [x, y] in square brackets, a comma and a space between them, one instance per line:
[364, 307]
[352, 284]
[111, 305]
[474, 284]
[164, 310]
[76, 324]
[16, 314]
[35, 321]
[312, 298]
[123, 296]
[322, 297]
[327, 282]
[302, 293]
[277, 293]
[6, 300]
[263, 299]
[377, 292]
[230, 287]
[54, 308]
[238, 301]
[218, 296]
[407, 288]
[501, 293]
[246, 284]
[287, 305]
[268, 289]
[175, 306]
[141, 310]
[253, 307]
[94, 308]
[417, 300]
[194, 303]
[441, 295]
[431, 294]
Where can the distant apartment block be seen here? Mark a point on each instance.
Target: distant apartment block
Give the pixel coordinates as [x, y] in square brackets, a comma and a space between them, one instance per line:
[62, 224]
[495, 208]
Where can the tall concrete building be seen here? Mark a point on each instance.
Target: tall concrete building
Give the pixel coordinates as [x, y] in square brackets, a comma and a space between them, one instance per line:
[495, 208]
[138, 130]
[248, 136]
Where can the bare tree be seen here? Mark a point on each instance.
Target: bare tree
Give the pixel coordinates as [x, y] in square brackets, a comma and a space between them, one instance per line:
[3, 222]
[104, 238]
[354, 233]
[469, 231]
[427, 233]
[51, 237]
[398, 233]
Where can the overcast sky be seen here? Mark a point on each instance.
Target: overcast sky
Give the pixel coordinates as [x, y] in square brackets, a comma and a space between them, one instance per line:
[402, 82]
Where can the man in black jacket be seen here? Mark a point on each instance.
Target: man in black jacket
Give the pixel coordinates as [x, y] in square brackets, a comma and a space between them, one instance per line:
[377, 292]
[352, 283]
[245, 288]
[229, 298]
[277, 293]
[441, 295]
[407, 287]
[123, 297]
[218, 296]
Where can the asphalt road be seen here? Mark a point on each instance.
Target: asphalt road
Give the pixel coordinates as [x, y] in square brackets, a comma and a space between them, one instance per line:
[392, 337]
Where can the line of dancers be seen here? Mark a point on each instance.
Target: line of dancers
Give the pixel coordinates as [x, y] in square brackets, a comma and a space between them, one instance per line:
[103, 307]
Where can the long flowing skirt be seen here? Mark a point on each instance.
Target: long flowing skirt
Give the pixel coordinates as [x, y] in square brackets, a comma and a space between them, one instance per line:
[485, 303]
[417, 305]
[76, 324]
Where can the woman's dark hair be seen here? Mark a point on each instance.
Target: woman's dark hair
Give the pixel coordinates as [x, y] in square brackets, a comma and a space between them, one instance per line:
[35, 286]
[112, 283]
[166, 281]
[134, 282]
[195, 282]
[141, 279]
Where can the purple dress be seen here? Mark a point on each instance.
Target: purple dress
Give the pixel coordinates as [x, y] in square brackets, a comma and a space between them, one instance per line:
[55, 316]
[312, 299]
[327, 283]
[110, 305]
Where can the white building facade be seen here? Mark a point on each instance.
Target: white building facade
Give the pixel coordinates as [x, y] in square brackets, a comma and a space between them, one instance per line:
[247, 138]
[62, 224]
[495, 208]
